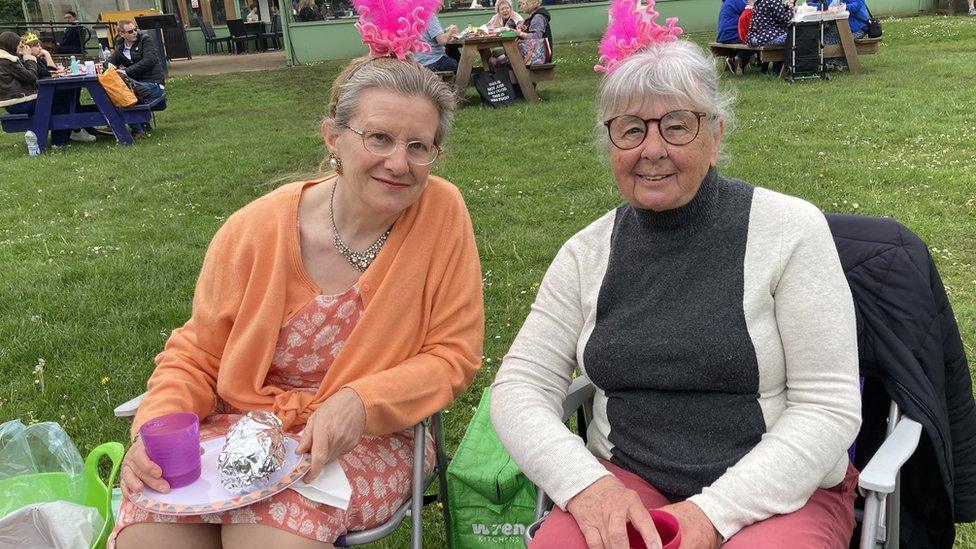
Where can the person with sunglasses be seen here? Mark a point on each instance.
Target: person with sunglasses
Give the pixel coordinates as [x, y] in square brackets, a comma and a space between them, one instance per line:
[138, 57]
[349, 304]
[716, 323]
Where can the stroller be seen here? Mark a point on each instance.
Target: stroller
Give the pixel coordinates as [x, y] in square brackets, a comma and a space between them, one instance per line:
[803, 51]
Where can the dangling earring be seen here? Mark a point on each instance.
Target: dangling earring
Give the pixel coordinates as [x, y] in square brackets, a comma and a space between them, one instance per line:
[335, 163]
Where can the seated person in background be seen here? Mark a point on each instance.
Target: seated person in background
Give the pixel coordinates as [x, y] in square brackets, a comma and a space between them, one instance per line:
[535, 34]
[858, 20]
[45, 68]
[18, 83]
[727, 27]
[252, 15]
[744, 21]
[136, 54]
[504, 16]
[45, 63]
[769, 21]
[716, 323]
[309, 11]
[436, 37]
[727, 32]
[71, 39]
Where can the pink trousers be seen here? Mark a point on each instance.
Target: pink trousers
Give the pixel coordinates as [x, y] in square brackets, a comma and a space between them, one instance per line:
[825, 522]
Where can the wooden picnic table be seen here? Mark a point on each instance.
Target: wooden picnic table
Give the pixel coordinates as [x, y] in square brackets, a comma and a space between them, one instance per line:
[847, 48]
[483, 45]
[101, 113]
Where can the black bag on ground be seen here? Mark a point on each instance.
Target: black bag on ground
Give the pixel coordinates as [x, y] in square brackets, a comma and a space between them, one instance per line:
[495, 88]
[874, 25]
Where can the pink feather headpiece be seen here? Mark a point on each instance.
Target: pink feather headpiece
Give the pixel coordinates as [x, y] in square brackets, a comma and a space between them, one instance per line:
[630, 30]
[393, 27]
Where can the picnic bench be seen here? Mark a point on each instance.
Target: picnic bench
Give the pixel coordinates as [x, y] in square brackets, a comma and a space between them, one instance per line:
[538, 73]
[526, 76]
[848, 49]
[103, 112]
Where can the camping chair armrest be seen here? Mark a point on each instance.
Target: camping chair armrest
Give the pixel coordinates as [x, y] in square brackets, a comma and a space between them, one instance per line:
[880, 473]
[129, 408]
[580, 392]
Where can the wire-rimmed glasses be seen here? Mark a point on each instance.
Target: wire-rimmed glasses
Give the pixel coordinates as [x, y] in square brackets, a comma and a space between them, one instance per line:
[383, 144]
[678, 128]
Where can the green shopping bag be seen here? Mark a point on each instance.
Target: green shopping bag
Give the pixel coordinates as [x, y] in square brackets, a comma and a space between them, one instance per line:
[492, 503]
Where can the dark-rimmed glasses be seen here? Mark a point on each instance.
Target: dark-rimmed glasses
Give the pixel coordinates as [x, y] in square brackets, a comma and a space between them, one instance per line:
[384, 144]
[130, 31]
[678, 128]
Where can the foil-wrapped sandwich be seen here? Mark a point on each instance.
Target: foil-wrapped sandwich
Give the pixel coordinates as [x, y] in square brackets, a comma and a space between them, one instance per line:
[254, 449]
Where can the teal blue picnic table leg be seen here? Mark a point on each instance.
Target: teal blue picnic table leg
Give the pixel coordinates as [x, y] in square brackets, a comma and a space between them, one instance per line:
[42, 115]
[112, 115]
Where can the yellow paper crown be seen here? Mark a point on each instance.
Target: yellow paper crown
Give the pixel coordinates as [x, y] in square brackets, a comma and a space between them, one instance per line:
[30, 37]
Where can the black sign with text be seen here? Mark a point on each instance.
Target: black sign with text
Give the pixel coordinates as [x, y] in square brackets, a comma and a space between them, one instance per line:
[495, 88]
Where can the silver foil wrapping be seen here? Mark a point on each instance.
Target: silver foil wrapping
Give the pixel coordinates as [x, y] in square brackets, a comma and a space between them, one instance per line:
[254, 449]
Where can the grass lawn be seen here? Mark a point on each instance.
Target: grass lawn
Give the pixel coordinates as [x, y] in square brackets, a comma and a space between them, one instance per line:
[100, 244]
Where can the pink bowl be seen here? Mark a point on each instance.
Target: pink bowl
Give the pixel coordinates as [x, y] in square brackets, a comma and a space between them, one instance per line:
[667, 528]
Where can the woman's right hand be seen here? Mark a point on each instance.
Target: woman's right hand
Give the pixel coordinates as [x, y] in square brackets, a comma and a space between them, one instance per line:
[138, 471]
[604, 508]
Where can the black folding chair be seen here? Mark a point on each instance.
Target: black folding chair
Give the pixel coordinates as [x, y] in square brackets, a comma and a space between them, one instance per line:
[238, 33]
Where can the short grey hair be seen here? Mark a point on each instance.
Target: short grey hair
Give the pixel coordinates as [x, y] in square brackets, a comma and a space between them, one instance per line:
[407, 78]
[679, 71]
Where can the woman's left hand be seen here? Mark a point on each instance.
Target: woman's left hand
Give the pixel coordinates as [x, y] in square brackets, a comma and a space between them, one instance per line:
[334, 429]
[697, 531]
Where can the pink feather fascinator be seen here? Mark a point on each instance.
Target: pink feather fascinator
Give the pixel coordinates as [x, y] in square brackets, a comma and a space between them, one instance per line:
[630, 30]
[392, 28]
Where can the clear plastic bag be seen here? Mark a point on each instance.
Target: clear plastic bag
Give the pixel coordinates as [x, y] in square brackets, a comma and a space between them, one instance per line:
[38, 463]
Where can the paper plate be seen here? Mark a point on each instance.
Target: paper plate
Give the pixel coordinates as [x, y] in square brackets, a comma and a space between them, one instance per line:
[207, 495]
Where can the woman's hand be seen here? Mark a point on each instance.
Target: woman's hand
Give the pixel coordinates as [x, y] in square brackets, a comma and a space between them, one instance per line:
[334, 429]
[697, 531]
[138, 471]
[603, 510]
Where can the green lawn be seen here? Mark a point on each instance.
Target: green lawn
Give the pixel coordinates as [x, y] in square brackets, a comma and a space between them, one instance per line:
[100, 245]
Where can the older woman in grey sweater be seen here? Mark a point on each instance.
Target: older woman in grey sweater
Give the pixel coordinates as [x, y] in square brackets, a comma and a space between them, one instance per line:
[716, 323]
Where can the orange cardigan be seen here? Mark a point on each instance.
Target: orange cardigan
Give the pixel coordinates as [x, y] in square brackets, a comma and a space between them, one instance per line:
[416, 347]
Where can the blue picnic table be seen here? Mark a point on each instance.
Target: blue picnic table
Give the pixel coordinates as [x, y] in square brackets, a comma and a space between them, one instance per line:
[103, 112]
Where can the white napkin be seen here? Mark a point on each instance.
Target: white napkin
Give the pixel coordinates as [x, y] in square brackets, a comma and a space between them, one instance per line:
[331, 487]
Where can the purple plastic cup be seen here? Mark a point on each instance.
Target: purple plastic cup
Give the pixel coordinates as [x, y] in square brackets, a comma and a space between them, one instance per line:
[172, 441]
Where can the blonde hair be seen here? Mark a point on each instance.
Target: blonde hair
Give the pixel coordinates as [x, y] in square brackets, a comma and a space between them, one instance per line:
[406, 78]
[499, 3]
[532, 5]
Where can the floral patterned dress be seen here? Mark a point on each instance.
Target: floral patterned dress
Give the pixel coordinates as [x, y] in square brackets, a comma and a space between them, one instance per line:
[379, 468]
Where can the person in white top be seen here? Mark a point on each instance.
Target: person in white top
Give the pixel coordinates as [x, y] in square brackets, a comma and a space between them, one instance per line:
[717, 325]
[505, 16]
[252, 16]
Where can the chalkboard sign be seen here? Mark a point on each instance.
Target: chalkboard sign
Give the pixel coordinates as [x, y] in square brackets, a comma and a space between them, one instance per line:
[495, 88]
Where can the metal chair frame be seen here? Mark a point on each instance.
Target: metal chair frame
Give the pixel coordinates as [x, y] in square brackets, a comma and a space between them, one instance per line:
[879, 481]
[413, 506]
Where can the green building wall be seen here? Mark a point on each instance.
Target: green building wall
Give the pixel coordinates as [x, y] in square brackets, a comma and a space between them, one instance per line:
[338, 39]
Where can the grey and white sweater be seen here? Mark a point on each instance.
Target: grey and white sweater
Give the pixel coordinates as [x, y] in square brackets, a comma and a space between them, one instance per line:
[721, 339]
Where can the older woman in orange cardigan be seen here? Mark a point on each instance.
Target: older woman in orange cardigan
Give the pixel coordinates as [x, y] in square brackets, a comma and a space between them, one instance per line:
[349, 306]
